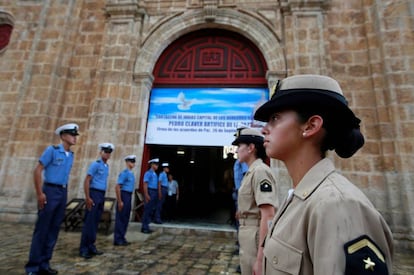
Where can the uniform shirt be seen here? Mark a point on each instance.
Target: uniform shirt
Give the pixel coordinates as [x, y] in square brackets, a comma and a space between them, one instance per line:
[127, 180]
[258, 187]
[99, 172]
[239, 169]
[57, 164]
[163, 178]
[326, 211]
[172, 187]
[151, 178]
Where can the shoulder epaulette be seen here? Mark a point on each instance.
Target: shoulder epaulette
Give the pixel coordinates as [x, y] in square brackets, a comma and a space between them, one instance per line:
[363, 256]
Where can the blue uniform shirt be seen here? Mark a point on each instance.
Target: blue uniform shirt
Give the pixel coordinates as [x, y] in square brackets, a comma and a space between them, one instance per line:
[151, 178]
[240, 168]
[99, 172]
[163, 179]
[172, 187]
[127, 180]
[57, 164]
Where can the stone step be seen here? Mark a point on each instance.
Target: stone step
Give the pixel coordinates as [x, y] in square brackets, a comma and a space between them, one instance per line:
[214, 230]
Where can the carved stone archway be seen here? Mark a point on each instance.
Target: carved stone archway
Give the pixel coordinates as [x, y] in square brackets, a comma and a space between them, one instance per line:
[260, 34]
[211, 57]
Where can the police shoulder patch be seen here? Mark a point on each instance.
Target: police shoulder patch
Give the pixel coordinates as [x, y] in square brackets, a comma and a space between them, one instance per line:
[265, 186]
[363, 256]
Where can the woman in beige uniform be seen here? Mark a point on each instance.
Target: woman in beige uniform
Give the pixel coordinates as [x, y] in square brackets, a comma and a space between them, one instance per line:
[257, 199]
[326, 225]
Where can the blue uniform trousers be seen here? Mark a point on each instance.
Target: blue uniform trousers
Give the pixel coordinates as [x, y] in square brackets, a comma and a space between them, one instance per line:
[47, 228]
[122, 218]
[149, 207]
[91, 222]
[164, 192]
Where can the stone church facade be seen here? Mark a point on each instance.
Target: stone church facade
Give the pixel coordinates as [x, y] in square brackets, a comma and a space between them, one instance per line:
[91, 62]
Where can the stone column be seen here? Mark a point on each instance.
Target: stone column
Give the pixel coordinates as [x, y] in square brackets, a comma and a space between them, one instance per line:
[116, 111]
[390, 45]
[304, 35]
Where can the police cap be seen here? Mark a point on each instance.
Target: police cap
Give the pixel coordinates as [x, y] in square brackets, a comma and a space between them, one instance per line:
[310, 92]
[70, 128]
[247, 136]
[154, 160]
[130, 158]
[107, 147]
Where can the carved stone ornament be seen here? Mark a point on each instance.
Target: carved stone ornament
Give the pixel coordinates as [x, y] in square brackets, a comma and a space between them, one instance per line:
[304, 5]
[210, 10]
[124, 10]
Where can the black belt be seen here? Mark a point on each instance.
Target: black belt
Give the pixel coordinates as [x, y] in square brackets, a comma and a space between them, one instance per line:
[97, 190]
[55, 185]
[249, 216]
[156, 189]
[126, 192]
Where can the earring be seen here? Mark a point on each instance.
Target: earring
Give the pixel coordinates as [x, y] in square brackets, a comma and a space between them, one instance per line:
[304, 134]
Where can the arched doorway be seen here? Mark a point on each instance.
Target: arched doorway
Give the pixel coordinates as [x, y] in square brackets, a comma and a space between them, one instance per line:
[229, 68]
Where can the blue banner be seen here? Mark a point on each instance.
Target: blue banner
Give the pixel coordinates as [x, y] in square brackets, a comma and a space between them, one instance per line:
[201, 116]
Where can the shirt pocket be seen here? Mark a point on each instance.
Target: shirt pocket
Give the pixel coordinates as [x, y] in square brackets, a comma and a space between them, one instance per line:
[281, 258]
[246, 199]
[57, 161]
[100, 171]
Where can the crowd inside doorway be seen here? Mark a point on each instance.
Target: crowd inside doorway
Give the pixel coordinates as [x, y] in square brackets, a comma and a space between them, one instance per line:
[205, 179]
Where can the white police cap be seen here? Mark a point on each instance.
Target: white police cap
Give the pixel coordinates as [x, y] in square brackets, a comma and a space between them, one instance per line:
[240, 126]
[156, 160]
[70, 128]
[165, 164]
[106, 145]
[130, 157]
[248, 135]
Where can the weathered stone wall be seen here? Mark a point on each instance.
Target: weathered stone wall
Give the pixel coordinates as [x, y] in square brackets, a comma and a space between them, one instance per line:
[91, 62]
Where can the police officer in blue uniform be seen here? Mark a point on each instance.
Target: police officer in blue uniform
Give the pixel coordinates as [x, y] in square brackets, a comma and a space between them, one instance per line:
[123, 189]
[150, 187]
[95, 187]
[56, 163]
[162, 191]
[239, 169]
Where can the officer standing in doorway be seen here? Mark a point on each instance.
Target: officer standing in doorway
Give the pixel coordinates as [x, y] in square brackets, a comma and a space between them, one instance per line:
[124, 188]
[56, 163]
[95, 184]
[172, 197]
[162, 191]
[150, 188]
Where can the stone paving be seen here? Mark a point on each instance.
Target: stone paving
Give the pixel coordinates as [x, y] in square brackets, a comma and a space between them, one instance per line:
[171, 249]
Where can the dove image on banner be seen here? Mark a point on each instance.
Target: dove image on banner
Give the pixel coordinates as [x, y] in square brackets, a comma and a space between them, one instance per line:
[201, 116]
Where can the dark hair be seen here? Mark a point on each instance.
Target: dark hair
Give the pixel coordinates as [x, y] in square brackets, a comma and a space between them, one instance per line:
[260, 150]
[342, 136]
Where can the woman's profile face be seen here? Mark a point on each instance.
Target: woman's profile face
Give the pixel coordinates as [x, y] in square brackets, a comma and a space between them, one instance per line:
[242, 152]
[282, 135]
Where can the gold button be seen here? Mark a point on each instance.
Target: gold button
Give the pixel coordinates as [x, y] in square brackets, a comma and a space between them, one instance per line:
[275, 260]
[305, 193]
